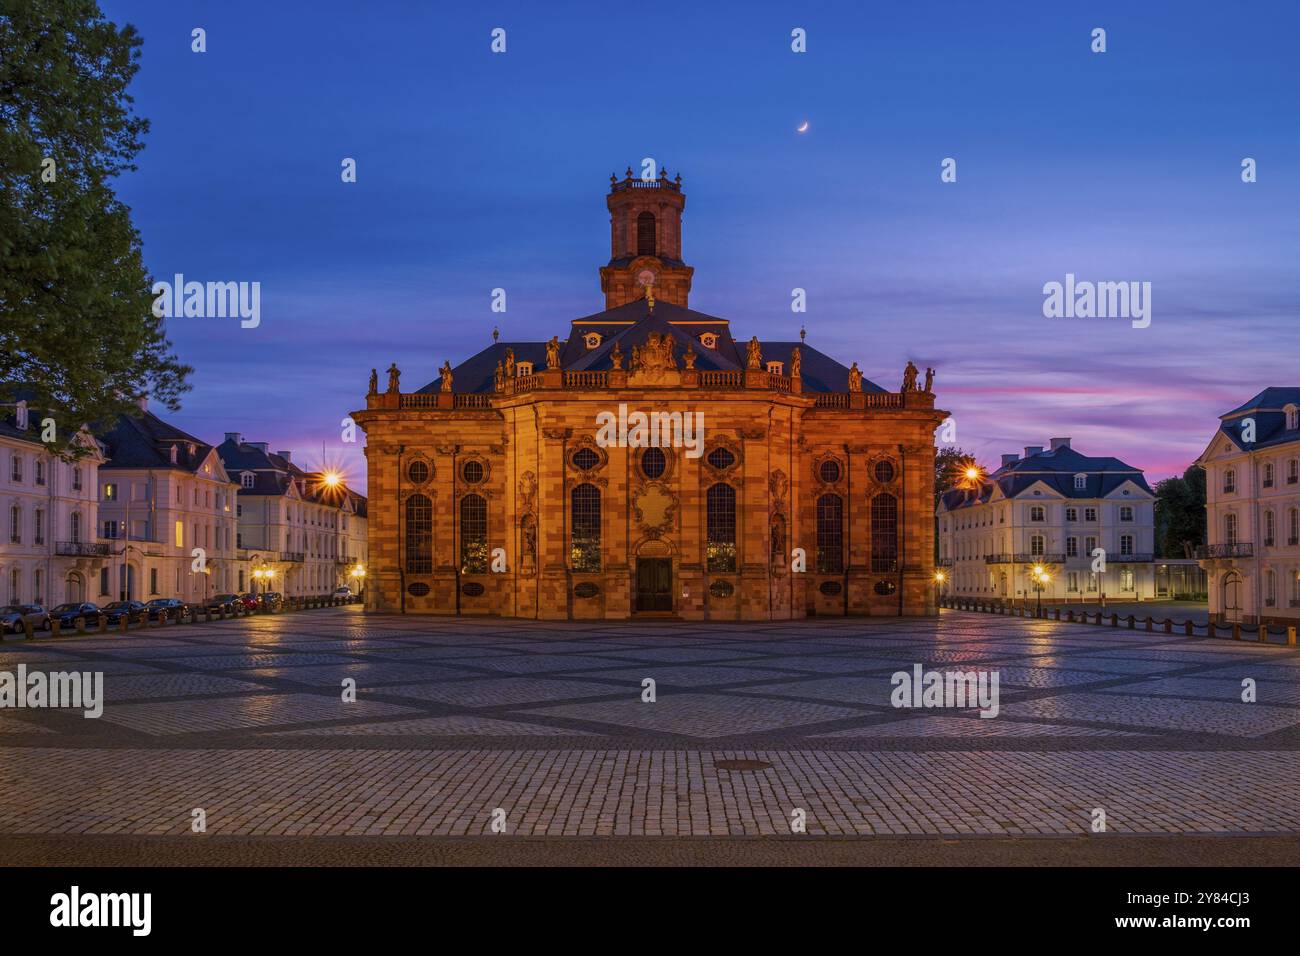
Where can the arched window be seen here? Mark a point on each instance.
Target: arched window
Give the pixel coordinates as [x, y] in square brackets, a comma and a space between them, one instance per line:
[721, 549]
[884, 532]
[830, 534]
[1292, 417]
[584, 525]
[419, 535]
[1293, 527]
[473, 535]
[1230, 528]
[645, 234]
[1269, 528]
[1270, 588]
[778, 539]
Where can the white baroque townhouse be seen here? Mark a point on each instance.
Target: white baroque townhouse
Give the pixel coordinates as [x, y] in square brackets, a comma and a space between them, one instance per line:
[1053, 508]
[48, 549]
[1252, 489]
[167, 511]
[300, 531]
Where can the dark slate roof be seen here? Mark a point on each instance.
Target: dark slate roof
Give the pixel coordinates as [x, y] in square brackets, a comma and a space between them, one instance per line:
[477, 373]
[1267, 409]
[145, 441]
[271, 475]
[1055, 469]
[630, 325]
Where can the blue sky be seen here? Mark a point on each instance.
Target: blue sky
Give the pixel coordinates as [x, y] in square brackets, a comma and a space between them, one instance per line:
[478, 171]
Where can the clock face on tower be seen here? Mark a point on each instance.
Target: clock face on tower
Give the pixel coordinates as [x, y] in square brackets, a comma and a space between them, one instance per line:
[645, 277]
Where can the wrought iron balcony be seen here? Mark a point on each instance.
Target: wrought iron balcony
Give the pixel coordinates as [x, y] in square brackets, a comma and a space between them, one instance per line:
[1136, 558]
[295, 556]
[1022, 558]
[82, 549]
[1238, 549]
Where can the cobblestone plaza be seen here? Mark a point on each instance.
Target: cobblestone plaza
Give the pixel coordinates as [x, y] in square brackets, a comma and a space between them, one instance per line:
[453, 720]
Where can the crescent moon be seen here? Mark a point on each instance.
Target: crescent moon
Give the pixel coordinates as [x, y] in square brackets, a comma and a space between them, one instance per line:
[803, 128]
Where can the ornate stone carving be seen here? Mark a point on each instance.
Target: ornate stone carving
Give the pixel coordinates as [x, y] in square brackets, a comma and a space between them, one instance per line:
[527, 492]
[752, 434]
[654, 507]
[553, 352]
[557, 434]
[394, 378]
[754, 354]
[778, 486]
[374, 383]
[909, 378]
[855, 378]
[654, 363]
[446, 376]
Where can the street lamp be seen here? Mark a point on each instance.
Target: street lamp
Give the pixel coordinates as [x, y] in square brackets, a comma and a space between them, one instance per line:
[1041, 578]
[358, 575]
[939, 579]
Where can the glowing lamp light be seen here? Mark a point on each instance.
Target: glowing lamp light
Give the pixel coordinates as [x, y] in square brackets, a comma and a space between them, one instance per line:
[940, 577]
[331, 479]
[972, 473]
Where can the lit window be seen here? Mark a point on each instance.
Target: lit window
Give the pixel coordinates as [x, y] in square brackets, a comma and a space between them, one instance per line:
[830, 533]
[721, 522]
[585, 528]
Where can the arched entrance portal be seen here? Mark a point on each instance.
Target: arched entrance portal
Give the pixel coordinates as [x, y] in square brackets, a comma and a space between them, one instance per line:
[76, 588]
[1232, 597]
[654, 578]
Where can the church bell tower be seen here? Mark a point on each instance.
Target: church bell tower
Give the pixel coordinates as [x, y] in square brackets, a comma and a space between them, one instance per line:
[645, 240]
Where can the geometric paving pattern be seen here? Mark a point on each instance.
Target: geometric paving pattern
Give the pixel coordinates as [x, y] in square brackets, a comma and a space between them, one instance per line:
[455, 718]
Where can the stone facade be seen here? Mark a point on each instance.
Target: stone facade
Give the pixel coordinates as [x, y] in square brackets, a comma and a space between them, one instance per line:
[533, 493]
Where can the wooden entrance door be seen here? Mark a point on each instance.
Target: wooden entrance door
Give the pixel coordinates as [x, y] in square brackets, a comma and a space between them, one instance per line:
[654, 584]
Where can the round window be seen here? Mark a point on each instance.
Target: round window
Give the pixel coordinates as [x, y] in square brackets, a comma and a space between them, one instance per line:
[721, 459]
[830, 471]
[653, 462]
[585, 459]
[472, 589]
[722, 589]
[417, 589]
[472, 472]
[884, 471]
[885, 587]
[418, 472]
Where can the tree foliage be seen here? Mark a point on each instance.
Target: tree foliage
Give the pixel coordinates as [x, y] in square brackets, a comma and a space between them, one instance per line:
[1180, 513]
[77, 334]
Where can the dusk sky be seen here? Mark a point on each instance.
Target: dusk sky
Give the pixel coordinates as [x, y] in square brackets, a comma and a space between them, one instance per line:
[478, 171]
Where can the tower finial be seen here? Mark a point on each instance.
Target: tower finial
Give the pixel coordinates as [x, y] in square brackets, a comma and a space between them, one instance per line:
[496, 334]
[803, 333]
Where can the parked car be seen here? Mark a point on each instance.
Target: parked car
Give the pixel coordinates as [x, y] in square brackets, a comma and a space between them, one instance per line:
[222, 602]
[13, 616]
[251, 602]
[343, 591]
[133, 611]
[174, 607]
[67, 614]
[271, 598]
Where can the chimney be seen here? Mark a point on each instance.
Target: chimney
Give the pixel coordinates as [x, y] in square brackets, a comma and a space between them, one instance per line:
[234, 437]
[1032, 450]
[1010, 459]
[259, 445]
[285, 455]
[1059, 443]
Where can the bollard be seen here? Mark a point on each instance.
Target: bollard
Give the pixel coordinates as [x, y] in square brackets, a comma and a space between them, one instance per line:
[207, 615]
[102, 626]
[1263, 633]
[1189, 628]
[124, 622]
[1114, 619]
[27, 630]
[1236, 632]
[81, 624]
[1057, 614]
[1150, 623]
[1169, 625]
[55, 627]
[1209, 629]
[1290, 635]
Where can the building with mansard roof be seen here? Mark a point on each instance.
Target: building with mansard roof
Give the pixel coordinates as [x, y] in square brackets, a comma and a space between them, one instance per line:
[303, 532]
[1051, 509]
[650, 460]
[1252, 488]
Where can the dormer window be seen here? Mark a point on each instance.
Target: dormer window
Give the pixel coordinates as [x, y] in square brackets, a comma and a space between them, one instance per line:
[523, 368]
[709, 340]
[246, 479]
[592, 340]
[190, 449]
[1292, 417]
[776, 368]
[20, 416]
[173, 454]
[1080, 482]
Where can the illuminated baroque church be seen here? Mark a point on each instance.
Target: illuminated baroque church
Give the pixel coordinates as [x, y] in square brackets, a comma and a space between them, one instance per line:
[648, 461]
